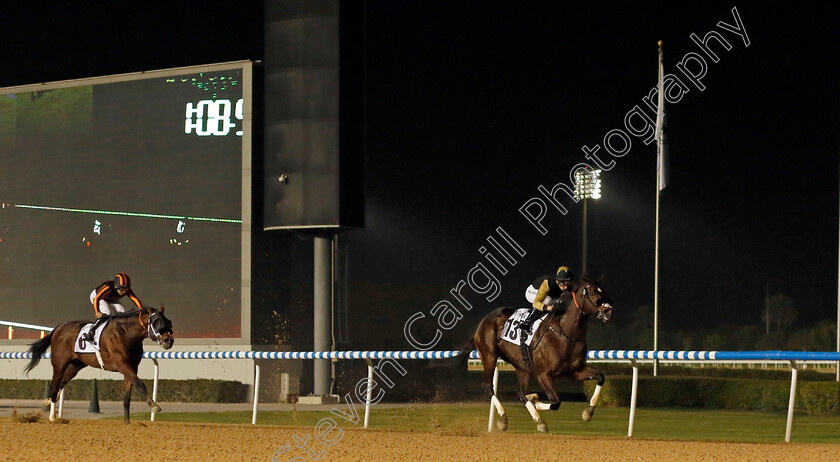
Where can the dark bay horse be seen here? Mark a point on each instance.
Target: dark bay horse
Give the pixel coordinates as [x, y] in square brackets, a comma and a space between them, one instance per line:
[121, 349]
[559, 351]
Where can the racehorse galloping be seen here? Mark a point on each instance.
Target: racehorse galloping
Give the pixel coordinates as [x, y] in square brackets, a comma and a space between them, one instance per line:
[560, 350]
[121, 349]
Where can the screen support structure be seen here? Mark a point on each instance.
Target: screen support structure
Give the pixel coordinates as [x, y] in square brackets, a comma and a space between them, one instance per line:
[322, 315]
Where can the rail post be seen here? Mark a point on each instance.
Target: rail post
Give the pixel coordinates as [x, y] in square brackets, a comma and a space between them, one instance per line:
[634, 392]
[256, 392]
[792, 400]
[369, 395]
[155, 385]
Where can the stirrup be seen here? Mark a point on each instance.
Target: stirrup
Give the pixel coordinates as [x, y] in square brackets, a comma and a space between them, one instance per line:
[526, 349]
[526, 354]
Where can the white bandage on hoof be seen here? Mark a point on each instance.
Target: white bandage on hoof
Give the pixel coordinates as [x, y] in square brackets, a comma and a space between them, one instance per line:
[594, 401]
[498, 404]
[533, 410]
[543, 406]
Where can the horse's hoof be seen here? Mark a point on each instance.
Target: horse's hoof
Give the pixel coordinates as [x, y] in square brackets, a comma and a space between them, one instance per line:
[52, 419]
[587, 413]
[541, 426]
[47, 402]
[156, 409]
[532, 397]
[502, 423]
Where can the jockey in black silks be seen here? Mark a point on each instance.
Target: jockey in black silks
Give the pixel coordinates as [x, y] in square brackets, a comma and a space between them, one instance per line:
[106, 300]
[546, 293]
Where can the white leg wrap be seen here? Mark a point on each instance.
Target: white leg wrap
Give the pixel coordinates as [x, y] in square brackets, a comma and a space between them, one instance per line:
[543, 406]
[595, 395]
[499, 408]
[533, 410]
[52, 411]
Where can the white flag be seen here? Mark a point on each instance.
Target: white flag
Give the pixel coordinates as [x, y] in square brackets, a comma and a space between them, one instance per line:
[661, 139]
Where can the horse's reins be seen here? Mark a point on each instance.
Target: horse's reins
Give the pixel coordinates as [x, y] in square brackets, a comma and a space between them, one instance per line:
[563, 334]
[574, 298]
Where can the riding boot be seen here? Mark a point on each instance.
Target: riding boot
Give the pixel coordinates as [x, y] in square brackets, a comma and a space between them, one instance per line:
[92, 332]
[525, 329]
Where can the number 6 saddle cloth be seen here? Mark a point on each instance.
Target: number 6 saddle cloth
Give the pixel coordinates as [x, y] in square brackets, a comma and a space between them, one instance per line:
[83, 346]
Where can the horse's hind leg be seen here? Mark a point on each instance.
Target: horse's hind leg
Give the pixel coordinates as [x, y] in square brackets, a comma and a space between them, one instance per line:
[70, 370]
[524, 379]
[588, 373]
[489, 363]
[58, 374]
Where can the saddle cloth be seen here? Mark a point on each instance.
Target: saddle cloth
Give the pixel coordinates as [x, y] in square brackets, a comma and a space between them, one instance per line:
[510, 333]
[83, 346]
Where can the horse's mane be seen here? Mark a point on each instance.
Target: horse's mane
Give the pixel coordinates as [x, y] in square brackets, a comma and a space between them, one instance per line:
[132, 313]
[587, 280]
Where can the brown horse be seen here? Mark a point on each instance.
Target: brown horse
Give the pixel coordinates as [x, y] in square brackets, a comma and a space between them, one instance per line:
[121, 348]
[559, 350]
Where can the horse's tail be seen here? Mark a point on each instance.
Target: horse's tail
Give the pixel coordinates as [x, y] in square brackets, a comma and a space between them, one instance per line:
[464, 354]
[37, 349]
[458, 360]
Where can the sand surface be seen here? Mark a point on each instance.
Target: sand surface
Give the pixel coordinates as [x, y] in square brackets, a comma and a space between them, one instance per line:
[165, 441]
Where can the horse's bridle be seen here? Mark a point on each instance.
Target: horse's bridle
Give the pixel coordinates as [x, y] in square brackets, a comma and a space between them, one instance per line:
[154, 334]
[599, 305]
[602, 302]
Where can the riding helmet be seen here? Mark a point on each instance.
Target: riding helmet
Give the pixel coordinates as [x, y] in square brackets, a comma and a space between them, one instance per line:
[121, 281]
[564, 274]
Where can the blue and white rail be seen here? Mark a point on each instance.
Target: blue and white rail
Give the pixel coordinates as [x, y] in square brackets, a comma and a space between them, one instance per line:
[795, 358]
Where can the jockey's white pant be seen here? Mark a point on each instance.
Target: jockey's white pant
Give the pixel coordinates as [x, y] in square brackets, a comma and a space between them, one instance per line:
[105, 307]
[531, 295]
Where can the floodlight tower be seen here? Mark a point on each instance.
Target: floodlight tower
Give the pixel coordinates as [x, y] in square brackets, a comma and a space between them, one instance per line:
[587, 186]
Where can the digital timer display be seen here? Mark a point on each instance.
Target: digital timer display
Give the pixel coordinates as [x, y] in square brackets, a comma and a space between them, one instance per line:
[209, 117]
[139, 174]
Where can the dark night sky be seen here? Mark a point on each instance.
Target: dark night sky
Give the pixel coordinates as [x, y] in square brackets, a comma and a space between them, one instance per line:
[472, 105]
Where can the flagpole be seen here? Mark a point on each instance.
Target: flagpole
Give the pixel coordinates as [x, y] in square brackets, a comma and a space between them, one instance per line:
[659, 121]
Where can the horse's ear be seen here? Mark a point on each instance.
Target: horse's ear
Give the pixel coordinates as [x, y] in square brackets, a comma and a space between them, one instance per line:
[161, 308]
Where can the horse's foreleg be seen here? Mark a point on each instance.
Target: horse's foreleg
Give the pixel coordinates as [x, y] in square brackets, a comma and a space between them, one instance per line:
[524, 379]
[548, 386]
[589, 373]
[142, 387]
[126, 399]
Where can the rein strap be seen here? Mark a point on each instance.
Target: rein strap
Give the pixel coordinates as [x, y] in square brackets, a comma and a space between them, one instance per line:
[563, 335]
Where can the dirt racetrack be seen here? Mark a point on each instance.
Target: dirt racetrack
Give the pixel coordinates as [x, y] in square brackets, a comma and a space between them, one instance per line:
[165, 441]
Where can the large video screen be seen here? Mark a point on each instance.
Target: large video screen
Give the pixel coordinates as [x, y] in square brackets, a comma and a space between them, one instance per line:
[140, 174]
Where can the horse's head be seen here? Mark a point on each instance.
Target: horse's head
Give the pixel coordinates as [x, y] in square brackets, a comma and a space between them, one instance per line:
[160, 328]
[593, 300]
